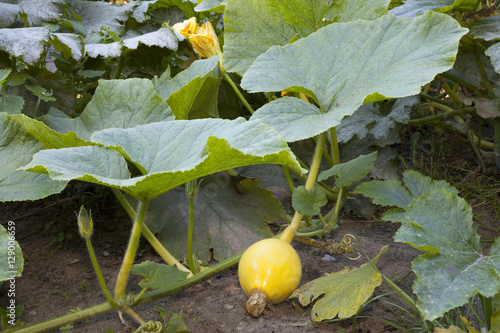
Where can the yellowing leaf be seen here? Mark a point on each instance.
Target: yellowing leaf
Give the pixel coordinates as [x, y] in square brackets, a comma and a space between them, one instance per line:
[344, 292]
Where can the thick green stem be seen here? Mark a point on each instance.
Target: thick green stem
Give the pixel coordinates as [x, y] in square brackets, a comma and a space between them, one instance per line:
[134, 316]
[451, 93]
[484, 77]
[334, 146]
[99, 274]
[128, 260]
[441, 116]
[496, 141]
[118, 69]
[236, 90]
[458, 80]
[291, 230]
[289, 181]
[148, 297]
[190, 260]
[150, 237]
[437, 100]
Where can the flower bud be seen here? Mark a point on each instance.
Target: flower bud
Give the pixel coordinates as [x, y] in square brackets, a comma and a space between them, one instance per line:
[85, 223]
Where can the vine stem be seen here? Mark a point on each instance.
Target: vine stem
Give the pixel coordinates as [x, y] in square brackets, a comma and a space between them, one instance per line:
[128, 260]
[190, 235]
[441, 116]
[99, 274]
[72, 317]
[291, 230]
[236, 90]
[150, 237]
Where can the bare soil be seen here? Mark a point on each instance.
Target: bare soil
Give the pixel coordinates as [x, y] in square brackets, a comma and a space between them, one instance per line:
[58, 274]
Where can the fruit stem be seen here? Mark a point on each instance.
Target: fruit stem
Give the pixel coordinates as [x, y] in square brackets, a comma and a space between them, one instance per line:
[291, 230]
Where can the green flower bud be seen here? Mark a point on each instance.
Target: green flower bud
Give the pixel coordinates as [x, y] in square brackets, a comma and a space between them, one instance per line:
[85, 223]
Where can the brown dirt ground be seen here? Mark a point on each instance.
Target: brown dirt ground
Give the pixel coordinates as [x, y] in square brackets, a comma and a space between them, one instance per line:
[58, 274]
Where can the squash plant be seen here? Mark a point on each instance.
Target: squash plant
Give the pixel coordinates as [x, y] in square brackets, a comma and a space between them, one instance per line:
[128, 114]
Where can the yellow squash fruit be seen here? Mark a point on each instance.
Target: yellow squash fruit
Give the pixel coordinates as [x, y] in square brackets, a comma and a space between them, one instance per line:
[269, 271]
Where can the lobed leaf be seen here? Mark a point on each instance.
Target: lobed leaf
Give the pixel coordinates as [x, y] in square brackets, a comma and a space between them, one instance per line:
[17, 149]
[350, 172]
[308, 202]
[230, 214]
[167, 154]
[349, 10]
[25, 43]
[392, 193]
[411, 8]
[216, 6]
[454, 269]
[116, 104]
[343, 65]
[157, 275]
[11, 256]
[371, 119]
[193, 92]
[343, 292]
[251, 27]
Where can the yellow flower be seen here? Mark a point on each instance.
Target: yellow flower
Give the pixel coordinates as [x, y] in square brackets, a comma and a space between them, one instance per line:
[203, 39]
[187, 27]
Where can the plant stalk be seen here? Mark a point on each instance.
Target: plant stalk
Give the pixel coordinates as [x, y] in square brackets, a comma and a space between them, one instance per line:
[150, 237]
[128, 260]
[190, 260]
[236, 90]
[99, 274]
[441, 116]
[291, 230]
[72, 317]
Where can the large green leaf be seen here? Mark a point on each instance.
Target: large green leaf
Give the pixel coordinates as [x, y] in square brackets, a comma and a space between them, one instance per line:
[17, 149]
[251, 27]
[351, 10]
[454, 267]
[342, 293]
[164, 37]
[168, 154]
[411, 8]
[95, 15]
[9, 12]
[374, 119]
[344, 65]
[116, 104]
[487, 28]
[25, 43]
[494, 53]
[39, 11]
[392, 193]
[230, 214]
[217, 6]
[11, 257]
[193, 92]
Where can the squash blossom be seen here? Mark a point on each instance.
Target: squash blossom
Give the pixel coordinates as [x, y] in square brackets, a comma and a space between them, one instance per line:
[85, 223]
[203, 39]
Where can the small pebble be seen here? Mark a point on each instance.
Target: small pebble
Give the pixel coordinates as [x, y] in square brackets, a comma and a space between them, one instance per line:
[328, 257]
[228, 306]
[106, 253]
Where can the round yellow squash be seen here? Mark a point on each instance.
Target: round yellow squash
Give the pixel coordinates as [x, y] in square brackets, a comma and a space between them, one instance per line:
[270, 266]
